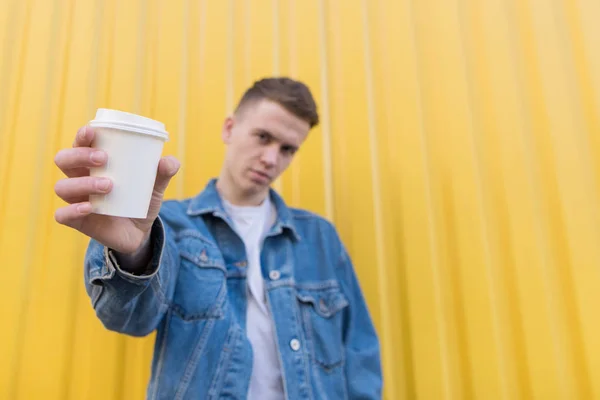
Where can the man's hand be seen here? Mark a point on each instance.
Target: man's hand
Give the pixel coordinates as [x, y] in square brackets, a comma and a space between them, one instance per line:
[124, 235]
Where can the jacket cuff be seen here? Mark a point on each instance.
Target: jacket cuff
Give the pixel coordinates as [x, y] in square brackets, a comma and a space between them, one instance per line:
[110, 266]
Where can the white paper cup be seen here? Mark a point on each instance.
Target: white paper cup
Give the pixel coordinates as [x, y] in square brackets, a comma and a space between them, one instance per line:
[134, 146]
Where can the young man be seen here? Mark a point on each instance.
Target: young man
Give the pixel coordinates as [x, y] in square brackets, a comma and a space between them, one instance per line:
[250, 298]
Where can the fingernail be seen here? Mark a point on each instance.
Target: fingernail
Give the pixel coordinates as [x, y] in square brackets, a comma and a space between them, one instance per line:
[84, 208]
[173, 167]
[98, 157]
[103, 184]
[170, 167]
[83, 132]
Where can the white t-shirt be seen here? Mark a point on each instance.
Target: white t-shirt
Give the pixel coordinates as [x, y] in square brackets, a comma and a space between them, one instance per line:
[252, 224]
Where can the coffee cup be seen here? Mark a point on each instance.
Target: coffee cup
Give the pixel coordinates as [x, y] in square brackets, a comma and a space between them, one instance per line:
[134, 146]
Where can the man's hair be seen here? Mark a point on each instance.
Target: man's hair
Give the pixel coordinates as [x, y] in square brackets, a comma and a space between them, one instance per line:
[292, 95]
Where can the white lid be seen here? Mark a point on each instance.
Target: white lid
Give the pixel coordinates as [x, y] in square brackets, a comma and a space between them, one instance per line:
[116, 119]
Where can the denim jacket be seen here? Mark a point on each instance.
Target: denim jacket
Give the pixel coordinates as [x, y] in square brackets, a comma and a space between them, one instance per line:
[194, 296]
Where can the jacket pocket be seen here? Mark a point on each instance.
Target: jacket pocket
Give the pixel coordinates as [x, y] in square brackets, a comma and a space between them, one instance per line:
[201, 288]
[322, 318]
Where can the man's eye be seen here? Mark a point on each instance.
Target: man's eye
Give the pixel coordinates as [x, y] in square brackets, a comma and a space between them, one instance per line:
[263, 137]
[289, 150]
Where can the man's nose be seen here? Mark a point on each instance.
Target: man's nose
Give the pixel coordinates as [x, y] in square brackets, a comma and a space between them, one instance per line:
[269, 156]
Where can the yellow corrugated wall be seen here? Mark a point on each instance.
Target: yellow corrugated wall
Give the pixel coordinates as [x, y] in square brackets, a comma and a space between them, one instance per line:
[459, 155]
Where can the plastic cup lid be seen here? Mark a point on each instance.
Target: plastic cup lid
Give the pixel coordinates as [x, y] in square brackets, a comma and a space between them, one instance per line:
[107, 118]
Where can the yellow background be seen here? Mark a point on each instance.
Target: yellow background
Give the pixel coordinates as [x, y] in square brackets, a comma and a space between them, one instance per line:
[459, 155]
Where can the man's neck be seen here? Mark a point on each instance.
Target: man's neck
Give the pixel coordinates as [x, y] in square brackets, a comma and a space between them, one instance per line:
[233, 195]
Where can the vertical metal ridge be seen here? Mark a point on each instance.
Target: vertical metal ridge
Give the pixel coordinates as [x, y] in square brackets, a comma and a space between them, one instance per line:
[202, 41]
[183, 90]
[576, 95]
[325, 114]
[145, 66]
[6, 135]
[278, 184]
[403, 368]
[16, 355]
[577, 48]
[339, 117]
[564, 278]
[229, 76]
[139, 57]
[582, 359]
[61, 111]
[435, 257]
[476, 149]
[78, 249]
[500, 230]
[458, 311]
[118, 361]
[585, 82]
[293, 38]
[276, 38]
[380, 255]
[533, 174]
[10, 41]
[293, 48]
[34, 212]
[110, 52]
[12, 124]
[94, 73]
[155, 63]
[247, 43]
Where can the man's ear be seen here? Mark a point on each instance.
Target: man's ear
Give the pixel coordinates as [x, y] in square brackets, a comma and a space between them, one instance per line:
[227, 129]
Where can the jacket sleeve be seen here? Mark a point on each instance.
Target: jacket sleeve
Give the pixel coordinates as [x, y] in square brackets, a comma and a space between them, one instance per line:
[127, 303]
[362, 351]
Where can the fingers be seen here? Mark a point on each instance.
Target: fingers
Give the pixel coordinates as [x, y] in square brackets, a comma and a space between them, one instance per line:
[76, 190]
[73, 214]
[167, 168]
[77, 161]
[85, 136]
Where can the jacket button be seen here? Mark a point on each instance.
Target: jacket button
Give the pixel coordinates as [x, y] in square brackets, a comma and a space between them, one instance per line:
[323, 306]
[203, 257]
[295, 344]
[274, 275]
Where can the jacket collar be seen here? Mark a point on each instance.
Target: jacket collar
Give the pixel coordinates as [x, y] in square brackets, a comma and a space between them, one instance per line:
[208, 201]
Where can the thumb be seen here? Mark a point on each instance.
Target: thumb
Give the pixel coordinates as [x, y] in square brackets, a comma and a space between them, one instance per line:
[167, 168]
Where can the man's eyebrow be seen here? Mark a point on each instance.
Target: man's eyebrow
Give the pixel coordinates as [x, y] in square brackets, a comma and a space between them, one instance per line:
[271, 136]
[266, 132]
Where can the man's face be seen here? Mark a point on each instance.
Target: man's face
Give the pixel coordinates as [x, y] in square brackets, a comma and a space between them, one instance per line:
[261, 140]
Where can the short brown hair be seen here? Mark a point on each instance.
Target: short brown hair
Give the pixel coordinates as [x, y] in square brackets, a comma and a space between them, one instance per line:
[292, 95]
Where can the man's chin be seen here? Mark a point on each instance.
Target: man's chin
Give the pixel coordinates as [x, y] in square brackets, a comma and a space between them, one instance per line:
[252, 186]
